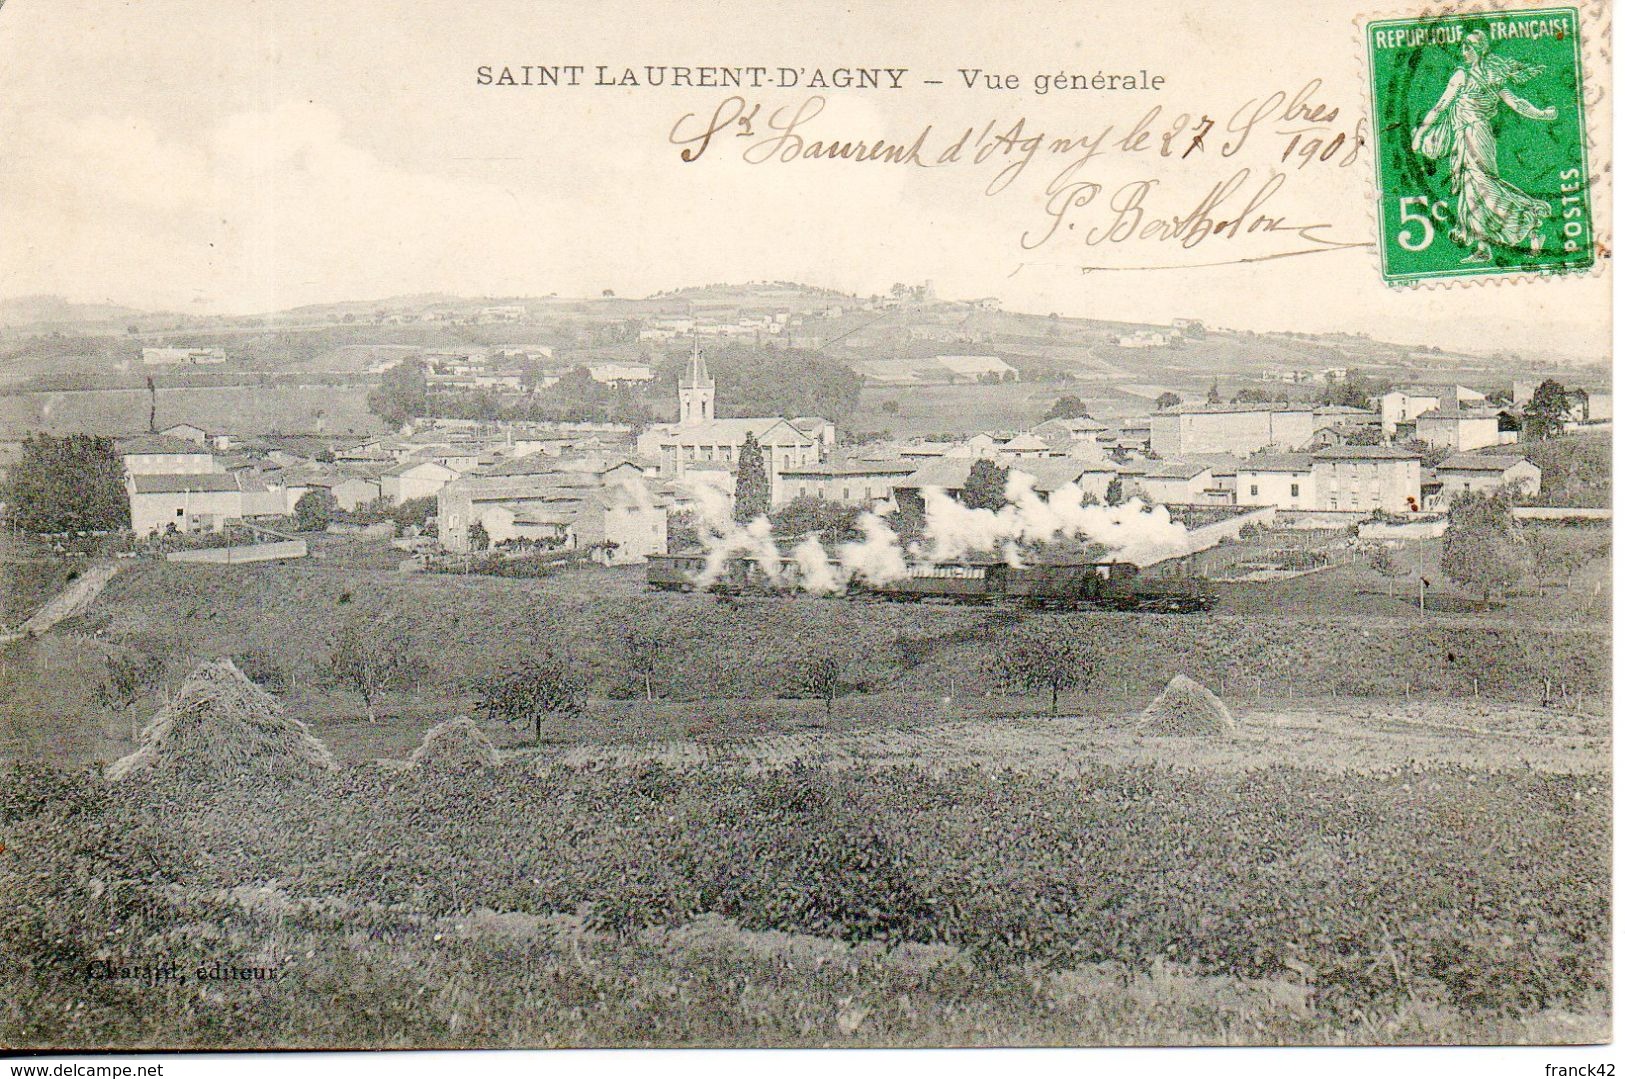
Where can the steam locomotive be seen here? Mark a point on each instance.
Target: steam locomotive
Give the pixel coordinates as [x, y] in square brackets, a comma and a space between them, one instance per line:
[1171, 585]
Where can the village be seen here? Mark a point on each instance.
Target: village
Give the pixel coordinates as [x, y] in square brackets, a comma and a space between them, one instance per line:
[605, 492]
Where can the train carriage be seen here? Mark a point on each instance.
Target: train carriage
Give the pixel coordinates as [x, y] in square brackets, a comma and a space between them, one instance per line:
[1172, 585]
[952, 582]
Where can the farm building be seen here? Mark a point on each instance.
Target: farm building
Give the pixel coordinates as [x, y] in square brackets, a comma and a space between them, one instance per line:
[407, 480]
[1283, 480]
[949, 474]
[621, 521]
[171, 357]
[1176, 482]
[155, 455]
[204, 502]
[1452, 428]
[864, 483]
[1237, 429]
[1487, 472]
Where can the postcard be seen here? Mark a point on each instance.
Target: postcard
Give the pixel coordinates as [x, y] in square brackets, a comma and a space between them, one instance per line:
[638, 525]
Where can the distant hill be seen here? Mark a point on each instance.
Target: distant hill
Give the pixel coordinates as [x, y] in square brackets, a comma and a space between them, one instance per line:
[49, 310]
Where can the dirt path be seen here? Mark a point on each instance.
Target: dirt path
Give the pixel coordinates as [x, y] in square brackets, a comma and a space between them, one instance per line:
[78, 595]
[1362, 736]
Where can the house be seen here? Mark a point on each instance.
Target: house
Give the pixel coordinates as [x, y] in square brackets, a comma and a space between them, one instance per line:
[1367, 478]
[621, 373]
[949, 474]
[1176, 482]
[1239, 429]
[171, 357]
[863, 483]
[1487, 472]
[1026, 445]
[1283, 480]
[203, 502]
[1143, 339]
[1590, 406]
[186, 432]
[1398, 406]
[151, 455]
[407, 480]
[350, 492]
[698, 437]
[1453, 428]
[619, 522]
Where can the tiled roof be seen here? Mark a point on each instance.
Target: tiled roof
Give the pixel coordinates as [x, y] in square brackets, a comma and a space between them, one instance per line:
[1365, 453]
[185, 483]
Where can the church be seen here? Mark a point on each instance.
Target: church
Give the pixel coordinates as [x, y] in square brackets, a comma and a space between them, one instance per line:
[699, 442]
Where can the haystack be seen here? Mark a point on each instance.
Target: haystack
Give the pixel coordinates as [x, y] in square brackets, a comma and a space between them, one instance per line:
[220, 726]
[1187, 707]
[456, 745]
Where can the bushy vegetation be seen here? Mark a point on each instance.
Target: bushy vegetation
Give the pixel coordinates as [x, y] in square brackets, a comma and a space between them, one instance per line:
[69, 484]
[1575, 470]
[1485, 894]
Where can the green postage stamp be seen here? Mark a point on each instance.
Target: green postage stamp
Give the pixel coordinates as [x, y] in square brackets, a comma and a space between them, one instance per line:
[1480, 145]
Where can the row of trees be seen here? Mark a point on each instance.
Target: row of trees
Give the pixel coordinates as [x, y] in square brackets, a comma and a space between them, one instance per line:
[371, 655]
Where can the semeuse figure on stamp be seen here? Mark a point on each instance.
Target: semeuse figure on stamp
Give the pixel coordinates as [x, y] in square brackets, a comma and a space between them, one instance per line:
[1489, 210]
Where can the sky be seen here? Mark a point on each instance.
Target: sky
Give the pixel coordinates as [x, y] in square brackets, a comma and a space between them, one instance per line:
[238, 156]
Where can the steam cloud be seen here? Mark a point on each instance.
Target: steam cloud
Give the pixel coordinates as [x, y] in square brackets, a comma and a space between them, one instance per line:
[1134, 532]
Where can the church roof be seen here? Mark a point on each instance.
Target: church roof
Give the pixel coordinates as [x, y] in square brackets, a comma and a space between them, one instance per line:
[769, 431]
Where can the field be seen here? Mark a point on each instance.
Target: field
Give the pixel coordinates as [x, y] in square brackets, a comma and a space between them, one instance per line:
[875, 903]
[240, 410]
[929, 862]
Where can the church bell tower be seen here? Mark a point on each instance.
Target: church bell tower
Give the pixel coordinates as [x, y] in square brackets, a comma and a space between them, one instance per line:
[696, 392]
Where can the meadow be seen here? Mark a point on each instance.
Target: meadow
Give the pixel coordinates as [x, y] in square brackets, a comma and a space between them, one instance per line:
[539, 904]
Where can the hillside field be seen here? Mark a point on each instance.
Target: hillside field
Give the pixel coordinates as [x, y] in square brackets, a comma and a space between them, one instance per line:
[240, 410]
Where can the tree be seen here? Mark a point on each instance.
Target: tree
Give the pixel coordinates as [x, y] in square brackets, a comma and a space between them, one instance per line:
[1251, 396]
[69, 484]
[820, 677]
[1480, 551]
[1385, 564]
[1213, 394]
[641, 648]
[1043, 656]
[1354, 390]
[533, 692]
[984, 487]
[368, 654]
[1067, 407]
[890, 407]
[314, 510]
[752, 494]
[1168, 399]
[402, 394]
[1547, 411]
[478, 538]
[1114, 491]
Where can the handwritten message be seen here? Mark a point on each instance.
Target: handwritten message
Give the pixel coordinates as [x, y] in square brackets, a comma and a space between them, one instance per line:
[1203, 178]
